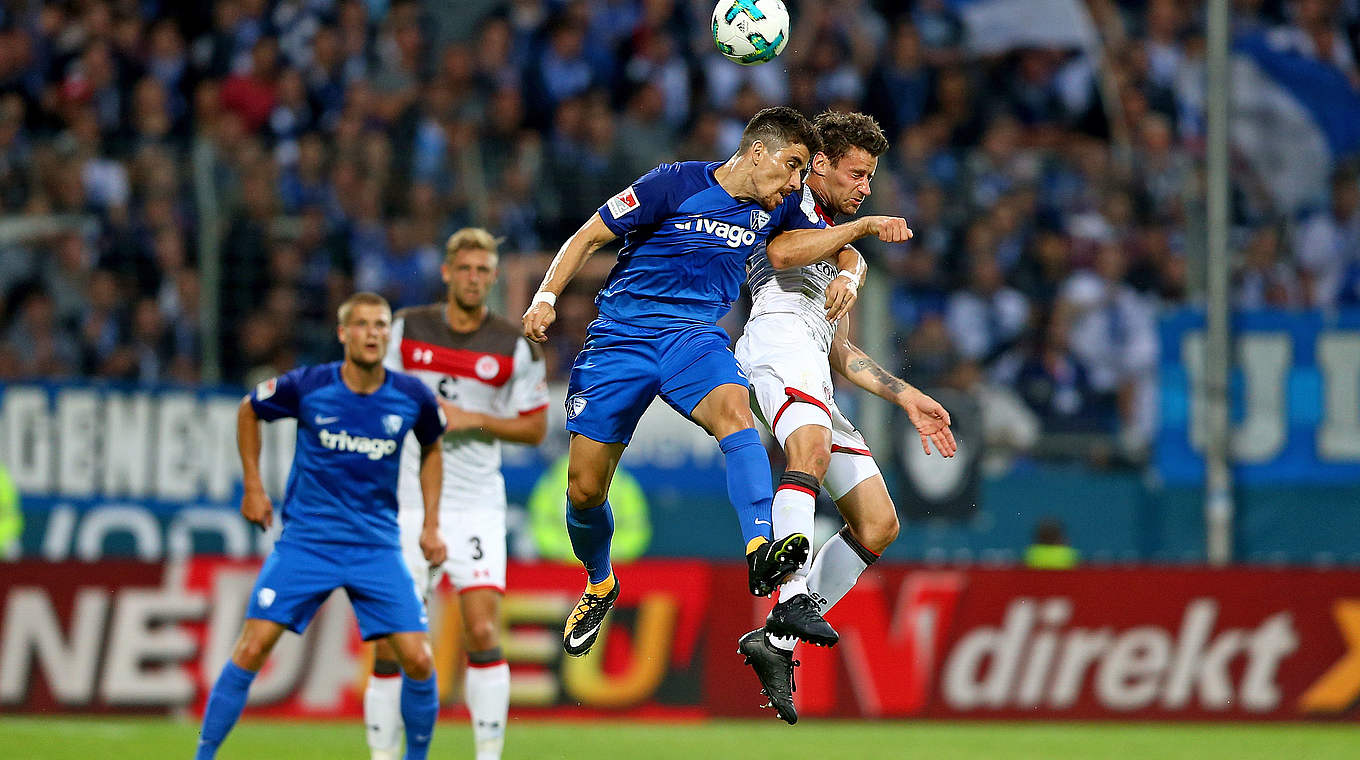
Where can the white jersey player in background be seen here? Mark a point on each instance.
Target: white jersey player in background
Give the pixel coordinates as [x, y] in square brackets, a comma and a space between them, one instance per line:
[788, 350]
[490, 382]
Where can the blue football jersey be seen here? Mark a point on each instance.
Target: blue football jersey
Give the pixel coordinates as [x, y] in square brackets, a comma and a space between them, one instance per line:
[342, 488]
[685, 245]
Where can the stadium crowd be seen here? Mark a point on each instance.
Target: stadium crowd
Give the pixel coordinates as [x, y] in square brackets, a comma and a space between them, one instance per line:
[1056, 196]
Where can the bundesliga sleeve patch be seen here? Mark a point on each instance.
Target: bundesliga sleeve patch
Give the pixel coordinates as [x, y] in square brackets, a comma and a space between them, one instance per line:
[623, 203]
[266, 389]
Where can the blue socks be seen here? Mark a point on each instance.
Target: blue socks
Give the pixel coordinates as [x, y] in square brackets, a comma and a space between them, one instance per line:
[591, 531]
[419, 708]
[225, 703]
[748, 483]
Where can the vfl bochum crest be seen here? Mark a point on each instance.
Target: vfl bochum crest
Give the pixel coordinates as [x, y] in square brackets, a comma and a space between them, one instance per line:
[759, 219]
[575, 405]
[392, 423]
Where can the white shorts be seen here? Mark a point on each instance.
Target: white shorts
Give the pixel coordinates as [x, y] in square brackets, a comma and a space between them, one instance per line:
[476, 542]
[791, 381]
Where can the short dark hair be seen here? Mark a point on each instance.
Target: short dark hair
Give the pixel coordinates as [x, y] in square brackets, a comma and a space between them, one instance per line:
[778, 127]
[839, 132]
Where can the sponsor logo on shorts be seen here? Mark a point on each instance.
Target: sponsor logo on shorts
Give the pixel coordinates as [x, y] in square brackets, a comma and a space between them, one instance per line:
[575, 405]
[266, 597]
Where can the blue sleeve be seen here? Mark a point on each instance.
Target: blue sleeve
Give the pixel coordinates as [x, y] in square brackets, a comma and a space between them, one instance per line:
[278, 397]
[796, 214]
[430, 420]
[649, 200]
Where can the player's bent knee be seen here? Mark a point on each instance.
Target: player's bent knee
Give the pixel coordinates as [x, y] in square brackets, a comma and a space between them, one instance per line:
[250, 652]
[419, 664]
[880, 532]
[586, 493]
[483, 635]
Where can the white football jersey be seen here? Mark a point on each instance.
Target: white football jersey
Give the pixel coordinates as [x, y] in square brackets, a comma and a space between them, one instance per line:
[492, 370]
[800, 291]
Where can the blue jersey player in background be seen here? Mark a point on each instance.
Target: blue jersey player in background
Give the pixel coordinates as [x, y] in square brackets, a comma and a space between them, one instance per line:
[340, 516]
[688, 229]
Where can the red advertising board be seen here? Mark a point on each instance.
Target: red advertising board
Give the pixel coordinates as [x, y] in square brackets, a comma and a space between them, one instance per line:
[916, 642]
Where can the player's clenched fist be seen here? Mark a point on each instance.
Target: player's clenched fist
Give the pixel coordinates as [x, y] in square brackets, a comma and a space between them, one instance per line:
[257, 508]
[889, 229]
[432, 546]
[537, 319]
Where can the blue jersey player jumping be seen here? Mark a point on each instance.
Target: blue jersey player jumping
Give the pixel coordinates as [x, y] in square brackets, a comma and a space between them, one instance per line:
[688, 230]
[340, 516]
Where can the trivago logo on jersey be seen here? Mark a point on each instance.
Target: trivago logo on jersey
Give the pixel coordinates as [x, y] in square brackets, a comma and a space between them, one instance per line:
[373, 448]
[732, 234]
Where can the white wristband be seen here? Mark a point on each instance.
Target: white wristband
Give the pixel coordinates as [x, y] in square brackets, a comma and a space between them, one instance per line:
[851, 276]
[544, 296]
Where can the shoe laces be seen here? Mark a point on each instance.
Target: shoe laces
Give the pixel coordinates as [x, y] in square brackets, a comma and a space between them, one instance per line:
[588, 604]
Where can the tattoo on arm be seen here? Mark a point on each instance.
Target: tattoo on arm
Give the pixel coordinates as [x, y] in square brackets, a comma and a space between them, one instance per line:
[892, 384]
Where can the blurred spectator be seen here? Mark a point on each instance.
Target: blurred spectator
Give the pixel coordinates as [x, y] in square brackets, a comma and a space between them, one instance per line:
[1316, 33]
[899, 86]
[988, 316]
[1265, 281]
[1114, 335]
[1328, 243]
[251, 93]
[1050, 550]
[1053, 383]
[37, 341]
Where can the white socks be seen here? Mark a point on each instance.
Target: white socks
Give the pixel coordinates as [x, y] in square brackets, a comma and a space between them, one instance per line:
[487, 692]
[836, 568]
[793, 511]
[382, 716]
[486, 689]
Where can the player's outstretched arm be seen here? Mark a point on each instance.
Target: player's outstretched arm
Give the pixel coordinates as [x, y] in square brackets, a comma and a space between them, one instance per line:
[926, 414]
[798, 248]
[431, 484]
[255, 504]
[568, 261]
[843, 291]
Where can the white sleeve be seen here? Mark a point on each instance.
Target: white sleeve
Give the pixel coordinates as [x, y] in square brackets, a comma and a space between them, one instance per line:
[393, 359]
[528, 383]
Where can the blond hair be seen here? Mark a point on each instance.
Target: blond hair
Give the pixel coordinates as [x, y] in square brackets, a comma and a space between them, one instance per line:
[360, 299]
[471, 238]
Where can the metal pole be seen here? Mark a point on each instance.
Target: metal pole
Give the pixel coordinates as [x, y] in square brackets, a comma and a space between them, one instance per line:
[1218, 505]
[209, 260]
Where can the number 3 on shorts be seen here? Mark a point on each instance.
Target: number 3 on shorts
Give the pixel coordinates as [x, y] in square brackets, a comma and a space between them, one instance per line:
[477, 552]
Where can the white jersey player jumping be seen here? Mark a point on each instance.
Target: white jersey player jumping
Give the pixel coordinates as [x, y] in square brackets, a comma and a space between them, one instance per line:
[788, 350]
[490, 382]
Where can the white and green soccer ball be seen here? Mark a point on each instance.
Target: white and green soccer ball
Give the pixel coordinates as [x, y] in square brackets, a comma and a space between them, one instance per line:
[750, 31]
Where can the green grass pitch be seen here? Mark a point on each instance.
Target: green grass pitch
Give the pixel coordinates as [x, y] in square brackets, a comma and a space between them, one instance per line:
[165, 739]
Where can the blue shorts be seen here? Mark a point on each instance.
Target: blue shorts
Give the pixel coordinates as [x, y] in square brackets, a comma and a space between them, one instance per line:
[622, 367]
[296, 579]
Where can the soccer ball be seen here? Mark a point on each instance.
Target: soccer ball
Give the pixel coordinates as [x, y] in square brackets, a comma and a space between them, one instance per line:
[750, 31]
